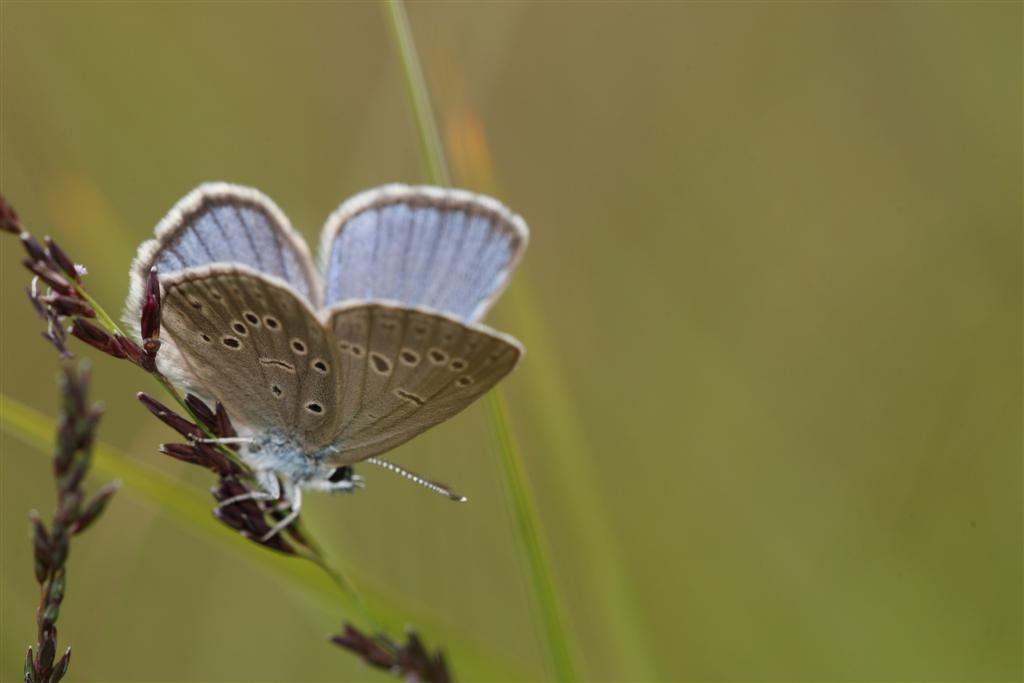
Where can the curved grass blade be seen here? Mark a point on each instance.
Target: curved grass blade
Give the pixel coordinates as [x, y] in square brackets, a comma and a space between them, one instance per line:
[521, 507]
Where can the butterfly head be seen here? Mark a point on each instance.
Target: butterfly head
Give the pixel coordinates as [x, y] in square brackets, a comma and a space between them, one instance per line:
[337, 480]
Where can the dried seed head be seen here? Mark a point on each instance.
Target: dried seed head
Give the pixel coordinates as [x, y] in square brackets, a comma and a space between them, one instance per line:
[68, 306]
[62, 666]
[49, 275]
[40, 547]
[202, 412]
[95, 507]
[47, 649]
[96, 337]
[224, 427]
[181, 451]
[412, 661]
[58, 256]
[169, 417]
[150, 320]
[9, 218]
[36, 252]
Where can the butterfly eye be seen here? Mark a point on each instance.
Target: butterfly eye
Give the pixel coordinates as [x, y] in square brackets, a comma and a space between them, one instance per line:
[340, 474]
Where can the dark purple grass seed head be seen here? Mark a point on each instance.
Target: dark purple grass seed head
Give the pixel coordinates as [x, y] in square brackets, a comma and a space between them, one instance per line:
[96, 337]
[72, 457]
[410, 661]
[149, 324]
[9, 218]
[169, 417]
[63, 261]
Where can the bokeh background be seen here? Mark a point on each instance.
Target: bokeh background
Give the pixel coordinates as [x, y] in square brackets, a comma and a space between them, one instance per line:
[771, 411]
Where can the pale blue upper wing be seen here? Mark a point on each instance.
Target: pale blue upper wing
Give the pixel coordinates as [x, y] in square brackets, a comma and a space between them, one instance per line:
[222, 223]
[447, 250]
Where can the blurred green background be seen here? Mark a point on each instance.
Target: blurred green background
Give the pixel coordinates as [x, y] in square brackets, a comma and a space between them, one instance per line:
[771, 410]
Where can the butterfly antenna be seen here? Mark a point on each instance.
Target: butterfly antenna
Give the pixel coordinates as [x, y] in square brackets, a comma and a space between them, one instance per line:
[417, 479]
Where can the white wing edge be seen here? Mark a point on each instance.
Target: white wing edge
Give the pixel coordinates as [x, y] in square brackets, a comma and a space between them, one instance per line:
[173, 221]
[441, 197]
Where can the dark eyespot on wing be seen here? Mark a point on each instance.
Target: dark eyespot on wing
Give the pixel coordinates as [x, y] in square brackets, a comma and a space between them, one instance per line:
[380, 363]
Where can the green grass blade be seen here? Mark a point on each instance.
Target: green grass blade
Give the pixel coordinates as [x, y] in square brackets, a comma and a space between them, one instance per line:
[521, 506]
[552, 410]
[191, 509]
[426, 127]
[524, 515]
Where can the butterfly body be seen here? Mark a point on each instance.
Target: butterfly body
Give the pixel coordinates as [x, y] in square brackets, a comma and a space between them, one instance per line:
[323, 371]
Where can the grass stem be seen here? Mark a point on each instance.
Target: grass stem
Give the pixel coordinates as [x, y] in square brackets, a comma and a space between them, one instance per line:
[522, 510]
[426, 126]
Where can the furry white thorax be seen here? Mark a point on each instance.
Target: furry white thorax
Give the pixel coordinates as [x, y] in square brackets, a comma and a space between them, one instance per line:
[274, 451]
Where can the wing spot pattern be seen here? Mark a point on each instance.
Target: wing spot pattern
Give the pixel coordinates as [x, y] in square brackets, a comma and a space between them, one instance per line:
[437, 356]
[284, 365]
[381, 364]
[320, 366]
[194, 303]
[231, 342]
[410, 357]
[276, 390]
[251, 318]
[458, 365]
[216, 295]
[205, 337]
[298, 347]
[271, 322]
[240, 328]
[314, 408]
[464, 381]
[409, 396]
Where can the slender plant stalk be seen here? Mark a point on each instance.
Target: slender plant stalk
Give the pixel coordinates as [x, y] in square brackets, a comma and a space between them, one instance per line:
[416, 85]
[522, 510]
[554, 412]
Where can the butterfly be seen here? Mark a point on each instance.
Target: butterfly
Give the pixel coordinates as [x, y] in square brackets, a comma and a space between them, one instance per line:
[321, 368]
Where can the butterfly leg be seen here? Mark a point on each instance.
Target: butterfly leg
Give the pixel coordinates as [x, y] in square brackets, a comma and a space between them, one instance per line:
[270, 489]
[293, 497]
[227, 440]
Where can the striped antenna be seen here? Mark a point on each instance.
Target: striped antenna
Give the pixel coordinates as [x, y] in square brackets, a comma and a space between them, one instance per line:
[417, 479]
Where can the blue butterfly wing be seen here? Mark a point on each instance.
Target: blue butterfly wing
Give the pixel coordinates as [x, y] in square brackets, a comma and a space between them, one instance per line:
[447, 250]
[221, 223]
